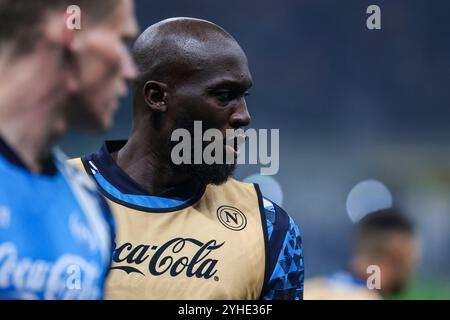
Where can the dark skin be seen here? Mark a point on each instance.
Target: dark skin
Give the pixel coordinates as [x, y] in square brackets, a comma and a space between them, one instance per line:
[206, 79]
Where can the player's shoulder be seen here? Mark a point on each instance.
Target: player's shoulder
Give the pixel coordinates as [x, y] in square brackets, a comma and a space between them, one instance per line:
[285, 265]
[79, 181]
[283, 234]
[273, 213]
[75, 162]
[277, 216]
[73, 171]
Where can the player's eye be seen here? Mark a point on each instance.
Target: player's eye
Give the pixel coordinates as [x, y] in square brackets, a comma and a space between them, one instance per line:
[225, 96]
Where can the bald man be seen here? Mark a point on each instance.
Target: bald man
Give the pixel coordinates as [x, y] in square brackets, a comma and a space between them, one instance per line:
[190, 231]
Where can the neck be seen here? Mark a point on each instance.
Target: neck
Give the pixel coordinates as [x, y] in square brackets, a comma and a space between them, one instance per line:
[31, 116]
[150, 168]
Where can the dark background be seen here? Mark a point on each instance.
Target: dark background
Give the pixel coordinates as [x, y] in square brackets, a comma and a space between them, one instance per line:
[351, 104]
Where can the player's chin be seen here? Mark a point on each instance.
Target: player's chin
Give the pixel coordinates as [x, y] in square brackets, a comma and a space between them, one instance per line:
[104, 124]
[91, 125]
[91, 115]
[99, 123]
[105, 117]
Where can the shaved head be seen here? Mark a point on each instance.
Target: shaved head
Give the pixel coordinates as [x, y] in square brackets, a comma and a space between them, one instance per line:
[172, 50]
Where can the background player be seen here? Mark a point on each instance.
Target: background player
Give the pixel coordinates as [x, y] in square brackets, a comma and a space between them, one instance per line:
[191, 232]
[385, 239]
[55, 232]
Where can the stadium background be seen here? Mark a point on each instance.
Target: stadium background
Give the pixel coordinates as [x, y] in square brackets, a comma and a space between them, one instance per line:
[351, 105]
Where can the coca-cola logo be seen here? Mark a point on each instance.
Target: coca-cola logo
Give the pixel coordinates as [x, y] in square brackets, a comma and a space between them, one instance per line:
[169, 258]
[68, 277]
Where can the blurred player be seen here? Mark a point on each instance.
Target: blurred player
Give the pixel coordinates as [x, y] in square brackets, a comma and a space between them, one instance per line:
[55, 228]
[190, 231]
[385, 239]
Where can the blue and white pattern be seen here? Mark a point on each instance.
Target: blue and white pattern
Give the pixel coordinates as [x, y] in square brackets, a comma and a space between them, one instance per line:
[285, 256]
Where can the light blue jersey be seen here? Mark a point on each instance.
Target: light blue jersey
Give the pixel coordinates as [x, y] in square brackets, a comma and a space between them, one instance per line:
[56, 232]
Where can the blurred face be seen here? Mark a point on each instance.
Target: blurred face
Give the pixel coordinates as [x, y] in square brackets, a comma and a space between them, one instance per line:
[103, 66]
[400, 262]
[216, 96]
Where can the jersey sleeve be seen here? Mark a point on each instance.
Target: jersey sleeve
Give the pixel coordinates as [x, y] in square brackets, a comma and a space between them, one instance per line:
[285, 276]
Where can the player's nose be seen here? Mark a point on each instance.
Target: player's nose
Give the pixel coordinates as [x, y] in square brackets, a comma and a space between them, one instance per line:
[130, 70]
[240, 117]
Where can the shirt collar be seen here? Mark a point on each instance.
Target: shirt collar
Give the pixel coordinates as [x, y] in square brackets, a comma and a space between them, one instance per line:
[125, 184]
[9, 154]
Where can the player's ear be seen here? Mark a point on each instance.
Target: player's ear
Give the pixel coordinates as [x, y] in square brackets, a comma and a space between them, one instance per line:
[57, 32]
[155, 96]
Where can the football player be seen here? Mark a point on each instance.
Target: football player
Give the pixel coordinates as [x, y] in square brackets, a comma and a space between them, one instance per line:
[56, 232]
[191, 231]
[385, 255]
